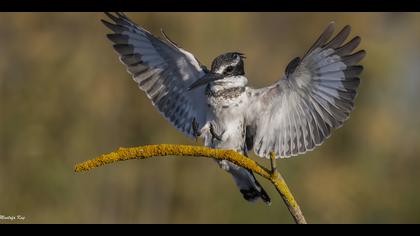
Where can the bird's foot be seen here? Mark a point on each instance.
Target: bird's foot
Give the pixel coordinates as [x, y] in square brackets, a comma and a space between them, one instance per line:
[214, 134]
[196, 132]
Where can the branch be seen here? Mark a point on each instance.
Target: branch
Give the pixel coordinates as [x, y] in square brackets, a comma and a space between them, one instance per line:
[123, 154]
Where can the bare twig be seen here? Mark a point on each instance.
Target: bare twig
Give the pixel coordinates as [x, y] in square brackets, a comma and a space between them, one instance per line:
[285, 193]
[144, 152]
[273, 163]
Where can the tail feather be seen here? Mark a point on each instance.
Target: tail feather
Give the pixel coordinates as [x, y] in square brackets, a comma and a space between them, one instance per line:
[247, 183]
[255, 191]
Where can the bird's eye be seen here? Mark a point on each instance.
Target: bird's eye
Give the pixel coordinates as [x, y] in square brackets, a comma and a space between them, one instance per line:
[229, 69]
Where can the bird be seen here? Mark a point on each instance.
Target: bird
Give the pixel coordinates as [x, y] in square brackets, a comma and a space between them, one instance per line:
[297, 113]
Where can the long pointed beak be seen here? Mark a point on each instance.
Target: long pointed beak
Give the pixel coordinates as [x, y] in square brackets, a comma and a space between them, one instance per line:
[209, 77]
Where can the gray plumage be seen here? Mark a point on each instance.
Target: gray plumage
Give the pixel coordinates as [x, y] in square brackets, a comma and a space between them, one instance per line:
[162, 70]
[290, 117]
[298, 112]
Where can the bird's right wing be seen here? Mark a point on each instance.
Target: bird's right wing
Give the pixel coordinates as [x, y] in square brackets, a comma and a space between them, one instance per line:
[317, 94]
[162, 70]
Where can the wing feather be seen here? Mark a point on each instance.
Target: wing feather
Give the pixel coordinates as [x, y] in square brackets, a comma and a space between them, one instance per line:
[162, 70]
[299, 112]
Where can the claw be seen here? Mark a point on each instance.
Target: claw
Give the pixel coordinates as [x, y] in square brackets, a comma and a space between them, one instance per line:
[214, 134]
[196, 132]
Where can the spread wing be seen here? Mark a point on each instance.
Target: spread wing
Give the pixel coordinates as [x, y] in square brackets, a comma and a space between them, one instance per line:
[162, 70]
[317, 94]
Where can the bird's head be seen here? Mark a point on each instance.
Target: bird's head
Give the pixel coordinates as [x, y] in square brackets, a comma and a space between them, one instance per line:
[229, 64]
[226, 66]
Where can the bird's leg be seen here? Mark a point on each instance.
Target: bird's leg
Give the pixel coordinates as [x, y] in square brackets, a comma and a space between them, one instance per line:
[214, 134]
[196, 132]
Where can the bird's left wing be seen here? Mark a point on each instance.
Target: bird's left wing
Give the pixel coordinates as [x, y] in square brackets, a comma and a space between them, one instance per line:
[162, 70]
[317, 94]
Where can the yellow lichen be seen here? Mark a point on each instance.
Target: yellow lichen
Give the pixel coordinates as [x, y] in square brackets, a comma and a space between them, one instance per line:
[123, 154]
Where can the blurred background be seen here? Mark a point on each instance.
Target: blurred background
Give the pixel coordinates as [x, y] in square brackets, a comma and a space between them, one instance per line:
[65, 98]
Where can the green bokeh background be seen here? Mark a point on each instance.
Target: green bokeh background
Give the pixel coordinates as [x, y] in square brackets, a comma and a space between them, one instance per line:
[65, 98]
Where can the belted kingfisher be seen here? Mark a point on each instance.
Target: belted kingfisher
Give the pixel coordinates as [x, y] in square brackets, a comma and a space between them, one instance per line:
[294, 115]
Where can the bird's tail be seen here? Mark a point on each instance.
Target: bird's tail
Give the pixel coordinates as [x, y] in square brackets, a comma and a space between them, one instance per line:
[247, 183]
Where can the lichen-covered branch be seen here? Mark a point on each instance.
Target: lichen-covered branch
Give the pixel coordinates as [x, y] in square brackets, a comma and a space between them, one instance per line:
[123, 154]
